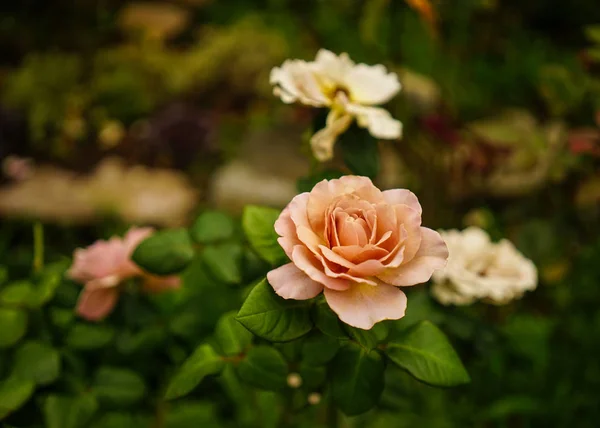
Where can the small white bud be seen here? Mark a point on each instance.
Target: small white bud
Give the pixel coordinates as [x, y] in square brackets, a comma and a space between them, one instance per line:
[294, 380]
[314, 398]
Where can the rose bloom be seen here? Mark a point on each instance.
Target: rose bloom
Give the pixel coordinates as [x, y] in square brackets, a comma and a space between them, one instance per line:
[104, 265]
[357, 245]
[480, 269]
[349, 90]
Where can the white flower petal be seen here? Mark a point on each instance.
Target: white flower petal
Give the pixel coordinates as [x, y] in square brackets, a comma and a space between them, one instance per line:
[296, 81]
[323, 141]
[331, 68]
[371, 84]
[378, 121]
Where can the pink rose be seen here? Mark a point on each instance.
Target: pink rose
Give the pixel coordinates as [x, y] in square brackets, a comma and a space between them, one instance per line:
[104, 265]
[357, 244]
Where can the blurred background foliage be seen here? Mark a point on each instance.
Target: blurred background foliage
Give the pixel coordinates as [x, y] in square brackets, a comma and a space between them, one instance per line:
[149, 112]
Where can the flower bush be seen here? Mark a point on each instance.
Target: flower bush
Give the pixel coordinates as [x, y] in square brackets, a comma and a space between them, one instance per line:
[400, 231]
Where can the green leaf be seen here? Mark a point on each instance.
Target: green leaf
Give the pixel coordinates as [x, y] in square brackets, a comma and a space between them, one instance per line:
[89, 336]
[224, 262]
[14, 392]
[365, 338]
[258, 223]
[191, 414]
[165, 252]
[13, 324]
[3, 274]
[319, 349]
[17, 293]
[37, 362]
[306, 184]
[357, 381]
[327, 321]
[360, 152]
[312, 376]
[232, 337]
[69, 412]
[593, 33]
[122, 420]
[425, 352]
[269, 316]
[212, 226]
[264, 367]
[118, 386]
[203, 362]
[45, 289]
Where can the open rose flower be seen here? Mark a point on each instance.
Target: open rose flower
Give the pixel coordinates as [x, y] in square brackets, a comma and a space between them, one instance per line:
[357, 245]
[349, 90]
[480, 269]
[104, 265]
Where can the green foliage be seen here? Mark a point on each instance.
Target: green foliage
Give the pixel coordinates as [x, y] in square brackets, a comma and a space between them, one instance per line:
[14, 392]
[425, 353]
[14, 325]
[264, 367]
[211, 227]
[357, 379]
[118, 386]
[37, 362]
[231, 336]
[224, 262]
[269, 316]
[258, 224]
[88, 337]
[69, 412]
[165, 252]
[360, 152]
[203, 362]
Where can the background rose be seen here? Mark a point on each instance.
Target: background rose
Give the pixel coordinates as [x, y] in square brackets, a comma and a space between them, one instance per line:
[357, 244]
[104, 265]
[481, 269]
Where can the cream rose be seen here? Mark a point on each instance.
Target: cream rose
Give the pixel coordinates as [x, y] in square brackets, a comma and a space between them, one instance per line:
[349, 90]
[480, 269]
[357, 245]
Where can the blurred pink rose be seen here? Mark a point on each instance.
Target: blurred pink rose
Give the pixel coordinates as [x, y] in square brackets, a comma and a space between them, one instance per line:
[357, 244]
[104, 265]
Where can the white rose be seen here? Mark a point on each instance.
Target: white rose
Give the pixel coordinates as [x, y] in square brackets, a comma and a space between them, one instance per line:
[349, 90]
[479, 269]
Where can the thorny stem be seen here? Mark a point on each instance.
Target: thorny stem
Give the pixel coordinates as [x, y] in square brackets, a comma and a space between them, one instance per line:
[38, 246]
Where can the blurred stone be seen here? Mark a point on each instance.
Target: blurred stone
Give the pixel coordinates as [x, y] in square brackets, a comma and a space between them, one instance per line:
[265, 172]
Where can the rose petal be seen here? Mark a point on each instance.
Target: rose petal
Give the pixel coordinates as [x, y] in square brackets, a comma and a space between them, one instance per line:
[333, 67]
[402, 197]
[411, 220]
[322, 141]
[286, 229]
[95, 304]
[432, 255]
[291, 283]
[371, 84]
[363, 305]
[307, 262]
[378, 121]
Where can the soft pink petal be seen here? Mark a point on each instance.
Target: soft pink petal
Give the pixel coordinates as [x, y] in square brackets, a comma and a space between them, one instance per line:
[306, 262]
[411, 220]
[326, 191]
[298, 210]
[363, 305]
[135, 236]
[95, 304]
[432, 255]
[402, 197]
[286, 229]
[101, 259]
[291, 283]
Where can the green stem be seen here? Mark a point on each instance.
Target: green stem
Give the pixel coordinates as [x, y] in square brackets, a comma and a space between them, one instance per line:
[332, 415]
[38, 246]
